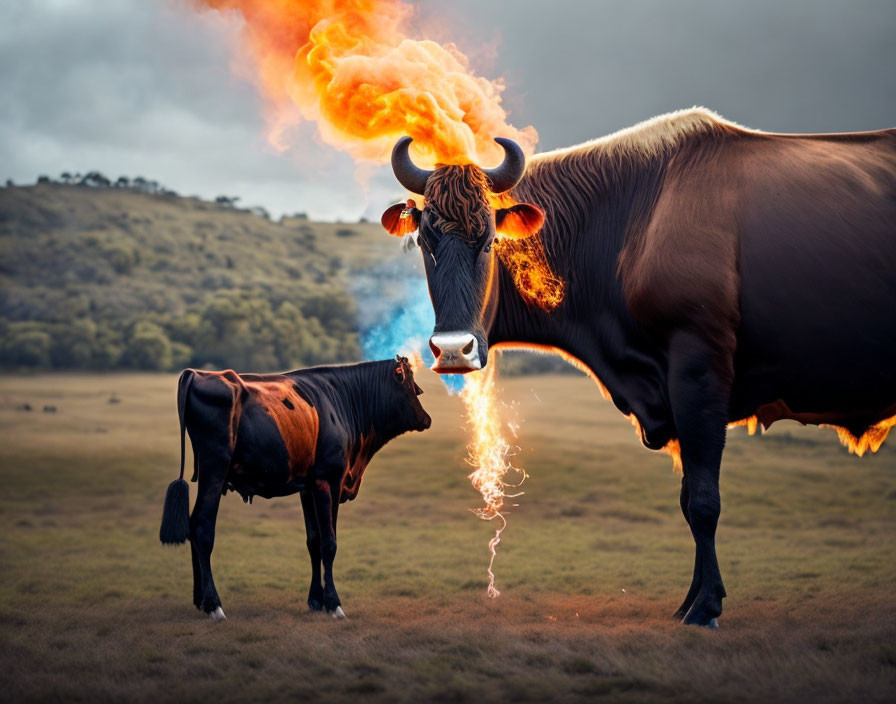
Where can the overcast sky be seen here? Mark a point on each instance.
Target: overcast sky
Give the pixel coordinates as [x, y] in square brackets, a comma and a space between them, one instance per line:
[145, 87]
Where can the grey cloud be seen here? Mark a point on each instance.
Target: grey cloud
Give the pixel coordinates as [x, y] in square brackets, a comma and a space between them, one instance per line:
[145, 88]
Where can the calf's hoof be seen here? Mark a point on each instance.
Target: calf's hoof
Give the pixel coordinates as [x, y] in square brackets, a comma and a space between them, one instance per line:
[217, 615]
[337, 612]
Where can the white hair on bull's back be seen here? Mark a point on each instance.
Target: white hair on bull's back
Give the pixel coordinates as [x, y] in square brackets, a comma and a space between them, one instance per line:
[650, 137]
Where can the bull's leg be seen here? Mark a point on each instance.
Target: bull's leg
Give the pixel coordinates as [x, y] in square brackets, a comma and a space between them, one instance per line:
[699, 399]
[695, 580]
[312, 539]
[325, 509]
[202, 529]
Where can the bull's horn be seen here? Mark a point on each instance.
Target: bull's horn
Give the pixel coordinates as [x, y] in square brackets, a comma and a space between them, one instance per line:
[507, 175]
[410, 176]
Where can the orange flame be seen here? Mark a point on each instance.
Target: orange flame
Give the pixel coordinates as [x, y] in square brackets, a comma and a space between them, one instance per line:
[350, 66]
[490, 454]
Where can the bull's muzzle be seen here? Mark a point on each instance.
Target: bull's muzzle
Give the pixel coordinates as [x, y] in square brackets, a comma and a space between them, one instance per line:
[455, 352]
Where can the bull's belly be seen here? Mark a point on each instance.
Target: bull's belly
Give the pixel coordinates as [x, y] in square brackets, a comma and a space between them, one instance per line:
[816, 370]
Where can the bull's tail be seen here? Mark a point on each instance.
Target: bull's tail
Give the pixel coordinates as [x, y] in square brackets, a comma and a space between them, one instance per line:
[175, 528]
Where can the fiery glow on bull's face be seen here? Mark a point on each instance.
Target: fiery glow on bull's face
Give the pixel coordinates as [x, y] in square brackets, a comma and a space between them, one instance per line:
[353, 67]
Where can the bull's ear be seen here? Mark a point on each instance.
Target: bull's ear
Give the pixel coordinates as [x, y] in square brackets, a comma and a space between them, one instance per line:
[401, 220]
[519, 221]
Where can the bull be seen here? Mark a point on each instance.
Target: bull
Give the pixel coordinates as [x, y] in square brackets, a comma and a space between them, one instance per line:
[713, 275]
[311, 432]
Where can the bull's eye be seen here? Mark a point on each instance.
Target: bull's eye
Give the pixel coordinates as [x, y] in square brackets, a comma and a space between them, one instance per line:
[487, 248]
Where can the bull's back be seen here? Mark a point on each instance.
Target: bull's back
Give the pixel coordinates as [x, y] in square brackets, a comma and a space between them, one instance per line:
[817, 268]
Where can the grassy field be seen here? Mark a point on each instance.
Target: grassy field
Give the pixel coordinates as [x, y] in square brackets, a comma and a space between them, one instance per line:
[595, 560]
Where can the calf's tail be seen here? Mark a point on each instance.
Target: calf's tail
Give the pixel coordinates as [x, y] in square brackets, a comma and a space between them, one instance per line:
[175, 528]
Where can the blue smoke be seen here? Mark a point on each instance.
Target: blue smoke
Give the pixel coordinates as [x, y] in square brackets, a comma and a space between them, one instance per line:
[395, 315]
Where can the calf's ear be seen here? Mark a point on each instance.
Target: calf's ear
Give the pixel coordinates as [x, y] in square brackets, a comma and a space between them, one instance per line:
[519, 221]
[401, 219]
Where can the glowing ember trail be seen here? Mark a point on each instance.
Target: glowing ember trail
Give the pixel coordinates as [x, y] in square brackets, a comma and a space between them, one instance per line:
[351, 67]
[490, 454]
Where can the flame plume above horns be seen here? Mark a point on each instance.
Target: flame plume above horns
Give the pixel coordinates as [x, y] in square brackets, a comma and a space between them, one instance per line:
[351, 67]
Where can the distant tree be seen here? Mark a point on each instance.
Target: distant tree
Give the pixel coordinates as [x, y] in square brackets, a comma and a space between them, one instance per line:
[94, 179]
[123, 182]
[43, 179]
[346, 232]
[65, 177]
[261, 212]
[29, 348]
[148, 348]
[9, 183]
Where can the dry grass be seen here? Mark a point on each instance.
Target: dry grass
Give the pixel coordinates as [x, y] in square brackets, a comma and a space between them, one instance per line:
[595, 560]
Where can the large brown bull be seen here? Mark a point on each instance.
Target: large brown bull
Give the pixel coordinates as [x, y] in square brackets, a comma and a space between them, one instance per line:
[713, 275]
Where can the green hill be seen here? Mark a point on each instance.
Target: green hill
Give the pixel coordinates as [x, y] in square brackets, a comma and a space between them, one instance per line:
[107, 277]
[130, 276]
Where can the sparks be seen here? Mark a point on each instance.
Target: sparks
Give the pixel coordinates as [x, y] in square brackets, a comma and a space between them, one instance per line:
[490, 453]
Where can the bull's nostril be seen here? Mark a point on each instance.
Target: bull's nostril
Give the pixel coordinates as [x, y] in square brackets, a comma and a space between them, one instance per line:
[436, 352]
[468, 347]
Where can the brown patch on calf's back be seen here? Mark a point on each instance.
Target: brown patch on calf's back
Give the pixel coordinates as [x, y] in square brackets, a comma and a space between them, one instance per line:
[296, 420]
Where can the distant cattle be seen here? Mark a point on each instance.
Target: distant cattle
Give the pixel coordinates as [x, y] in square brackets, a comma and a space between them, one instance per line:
[311, 431]
[713, 275]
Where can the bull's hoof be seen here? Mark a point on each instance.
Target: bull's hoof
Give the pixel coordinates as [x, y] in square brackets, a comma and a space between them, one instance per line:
[314, 605]
[698, 617]
[217, 615]
[337, 612]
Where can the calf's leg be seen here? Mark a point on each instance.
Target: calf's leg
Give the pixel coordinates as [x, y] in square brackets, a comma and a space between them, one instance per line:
[202, 529]
[325, 508]
[312, 540]
[698, 394]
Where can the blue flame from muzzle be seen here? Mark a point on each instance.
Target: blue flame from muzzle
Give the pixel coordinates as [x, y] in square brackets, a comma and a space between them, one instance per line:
[396, 317]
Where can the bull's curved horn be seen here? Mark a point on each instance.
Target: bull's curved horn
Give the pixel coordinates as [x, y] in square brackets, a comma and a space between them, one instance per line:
[410, 176]
[507, 175]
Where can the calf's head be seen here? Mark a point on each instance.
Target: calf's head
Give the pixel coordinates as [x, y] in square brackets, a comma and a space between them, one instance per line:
[455, 231]
[410, 412]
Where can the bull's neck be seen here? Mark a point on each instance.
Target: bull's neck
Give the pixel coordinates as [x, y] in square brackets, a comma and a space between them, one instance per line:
[592, 203]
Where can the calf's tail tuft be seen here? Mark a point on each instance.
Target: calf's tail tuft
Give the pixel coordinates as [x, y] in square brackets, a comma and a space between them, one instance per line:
[175, 527]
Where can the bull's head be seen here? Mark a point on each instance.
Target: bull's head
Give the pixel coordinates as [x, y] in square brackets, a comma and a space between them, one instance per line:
[456, 230]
